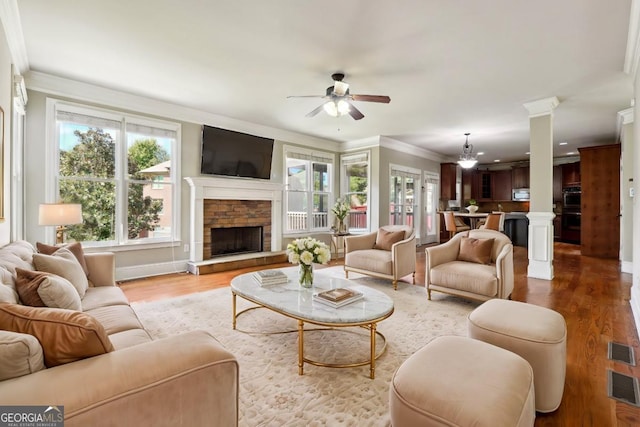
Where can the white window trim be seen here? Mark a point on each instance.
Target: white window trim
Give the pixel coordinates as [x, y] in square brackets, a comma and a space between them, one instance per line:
[52, 166]
[344, 185]
[313, 156]
[416, 174]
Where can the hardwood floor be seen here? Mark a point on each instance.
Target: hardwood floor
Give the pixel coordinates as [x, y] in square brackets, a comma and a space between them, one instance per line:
[591, 293]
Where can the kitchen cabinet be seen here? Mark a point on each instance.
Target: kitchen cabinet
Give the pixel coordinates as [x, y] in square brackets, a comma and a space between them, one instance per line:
[501, 185]
[557, 184]
[571, 174]
[557, 228]
[600, 201]
[483, 180]
[520, 176]
[469, 185]
[448, 181]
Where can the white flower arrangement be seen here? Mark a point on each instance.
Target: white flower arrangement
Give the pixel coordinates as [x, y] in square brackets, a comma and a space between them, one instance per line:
[341, 209]
[308, 250]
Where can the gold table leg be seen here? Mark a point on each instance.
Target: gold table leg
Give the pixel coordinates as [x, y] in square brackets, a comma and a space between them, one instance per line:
[234, 309]
[300, 347]
[373, 351]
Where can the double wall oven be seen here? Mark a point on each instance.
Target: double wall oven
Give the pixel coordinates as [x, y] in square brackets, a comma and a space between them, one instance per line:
[571, 215]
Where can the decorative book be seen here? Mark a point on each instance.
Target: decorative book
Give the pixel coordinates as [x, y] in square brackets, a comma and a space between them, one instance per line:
[337, 297]
[270, 277]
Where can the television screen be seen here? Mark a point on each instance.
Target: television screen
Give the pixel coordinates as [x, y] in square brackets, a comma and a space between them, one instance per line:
[229, 153]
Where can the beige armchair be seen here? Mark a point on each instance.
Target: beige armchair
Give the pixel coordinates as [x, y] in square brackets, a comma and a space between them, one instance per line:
[449, 271]
[380, 254]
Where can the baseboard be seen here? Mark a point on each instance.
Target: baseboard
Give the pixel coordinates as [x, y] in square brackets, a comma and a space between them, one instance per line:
[626, 267]
[147, 270]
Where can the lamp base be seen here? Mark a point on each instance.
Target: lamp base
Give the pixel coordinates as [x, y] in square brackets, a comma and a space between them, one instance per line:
[60, 231]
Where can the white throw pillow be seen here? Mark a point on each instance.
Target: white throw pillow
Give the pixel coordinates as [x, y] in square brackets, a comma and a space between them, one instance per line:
[20, 354]
[64, 264]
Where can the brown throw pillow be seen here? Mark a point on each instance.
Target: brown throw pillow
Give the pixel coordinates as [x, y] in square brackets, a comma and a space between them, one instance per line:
[65, 335]
[475, 250]
[38, 289]
[75, 248]
[385, 239]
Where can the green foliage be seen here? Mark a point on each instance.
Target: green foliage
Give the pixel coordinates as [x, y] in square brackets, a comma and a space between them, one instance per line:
[88, 170]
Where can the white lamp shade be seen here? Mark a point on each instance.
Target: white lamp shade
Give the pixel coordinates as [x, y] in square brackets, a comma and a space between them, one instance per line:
[60, 214]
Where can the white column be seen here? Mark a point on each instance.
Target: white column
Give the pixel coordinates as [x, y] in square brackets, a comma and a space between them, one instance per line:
[626, 185]
[541, 214]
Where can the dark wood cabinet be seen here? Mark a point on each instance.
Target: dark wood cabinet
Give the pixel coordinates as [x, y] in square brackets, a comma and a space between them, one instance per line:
[501, 185]
[483, 179]
[520, 177]
[600, 201]
[469, 185]
[557, 228]
[571, 176]
[557, 184]
[448, 181]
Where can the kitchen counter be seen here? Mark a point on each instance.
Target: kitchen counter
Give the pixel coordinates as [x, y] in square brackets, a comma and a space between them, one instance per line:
[516, 227]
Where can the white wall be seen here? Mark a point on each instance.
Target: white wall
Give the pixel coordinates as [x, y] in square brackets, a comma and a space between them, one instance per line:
[6, 102]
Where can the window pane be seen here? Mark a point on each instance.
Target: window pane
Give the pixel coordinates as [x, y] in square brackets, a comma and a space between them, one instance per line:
[86, 151]
[321, 177]
[357, 178]
[297, 174]
[296, 211]
[98, 200]
[320, 210]
[148, 156]
[146, 212]
[358, 213]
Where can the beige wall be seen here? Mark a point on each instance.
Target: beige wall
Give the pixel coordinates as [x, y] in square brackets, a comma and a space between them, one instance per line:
[7, 106]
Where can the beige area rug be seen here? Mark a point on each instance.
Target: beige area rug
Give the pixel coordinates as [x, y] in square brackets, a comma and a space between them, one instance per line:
[271, 391]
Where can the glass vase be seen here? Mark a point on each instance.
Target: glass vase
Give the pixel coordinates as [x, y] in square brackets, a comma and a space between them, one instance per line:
[305, 275]
[342, 227]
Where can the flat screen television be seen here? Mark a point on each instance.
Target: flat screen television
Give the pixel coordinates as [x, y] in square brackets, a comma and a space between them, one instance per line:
[229, 153]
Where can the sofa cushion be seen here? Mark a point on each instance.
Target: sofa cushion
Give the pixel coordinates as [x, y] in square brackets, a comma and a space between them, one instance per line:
[20, 354]
[370, 260]
[103, 296]
[116, 318]
[129, 338]
[65, 335]
[475, 250]
[464, 276]
[8, 294]
[75, 248]
[385, 239]
[64, 264]
[38, 289]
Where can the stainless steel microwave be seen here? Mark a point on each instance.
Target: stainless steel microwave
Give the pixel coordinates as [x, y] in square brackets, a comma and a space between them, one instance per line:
[520, 194]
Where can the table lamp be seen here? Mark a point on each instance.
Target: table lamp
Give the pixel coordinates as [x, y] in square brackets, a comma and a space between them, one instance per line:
[60, 215]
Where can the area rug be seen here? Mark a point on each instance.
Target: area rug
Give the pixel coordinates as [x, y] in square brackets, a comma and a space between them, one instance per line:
[271, 391]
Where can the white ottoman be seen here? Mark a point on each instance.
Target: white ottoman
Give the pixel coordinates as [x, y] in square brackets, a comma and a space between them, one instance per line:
[457, 381]
[536, 333]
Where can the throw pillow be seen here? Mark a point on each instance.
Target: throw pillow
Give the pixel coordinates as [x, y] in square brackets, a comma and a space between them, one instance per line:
[475, 250]
[75, 248]
[65, 335]
[385, 239]
[39, 289]
[64, 264]
[20, 354]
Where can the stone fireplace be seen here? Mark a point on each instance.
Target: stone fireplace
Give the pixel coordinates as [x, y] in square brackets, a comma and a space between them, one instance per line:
[232, 203]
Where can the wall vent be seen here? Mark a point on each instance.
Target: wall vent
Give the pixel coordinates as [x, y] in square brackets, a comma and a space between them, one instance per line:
[621, 353]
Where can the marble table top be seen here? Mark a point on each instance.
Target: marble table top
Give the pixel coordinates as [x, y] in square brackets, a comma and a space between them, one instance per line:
[293, 300]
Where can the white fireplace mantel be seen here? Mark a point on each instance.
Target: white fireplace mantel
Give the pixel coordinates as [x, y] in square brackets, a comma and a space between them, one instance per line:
[230, 189]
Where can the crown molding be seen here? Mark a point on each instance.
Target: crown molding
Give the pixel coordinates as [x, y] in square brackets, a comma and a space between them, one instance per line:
[541, 107]
[10, 18]
[404, 147]
[67, 88]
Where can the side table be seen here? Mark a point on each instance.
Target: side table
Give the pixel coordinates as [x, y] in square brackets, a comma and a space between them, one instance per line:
[337, 244]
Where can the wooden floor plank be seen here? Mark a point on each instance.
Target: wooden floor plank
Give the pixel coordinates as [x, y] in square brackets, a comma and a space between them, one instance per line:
[591, 293]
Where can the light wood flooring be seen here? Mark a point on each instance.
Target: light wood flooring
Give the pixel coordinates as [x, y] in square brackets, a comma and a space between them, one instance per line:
[591, 293]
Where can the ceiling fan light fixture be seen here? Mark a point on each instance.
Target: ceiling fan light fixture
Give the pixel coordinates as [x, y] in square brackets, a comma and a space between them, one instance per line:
[336, 108]
[467, 158]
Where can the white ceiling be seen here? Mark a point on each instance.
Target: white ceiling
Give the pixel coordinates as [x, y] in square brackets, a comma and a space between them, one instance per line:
[450, 67]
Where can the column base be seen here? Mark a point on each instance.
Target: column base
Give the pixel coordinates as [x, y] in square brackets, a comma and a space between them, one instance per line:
[540, 248]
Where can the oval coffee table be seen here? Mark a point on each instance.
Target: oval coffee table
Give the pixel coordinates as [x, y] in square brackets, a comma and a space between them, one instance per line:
[296, 302]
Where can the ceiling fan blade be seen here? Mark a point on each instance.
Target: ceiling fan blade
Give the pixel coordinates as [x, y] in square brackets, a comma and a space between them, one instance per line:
[355, 113]
[316, 111]
[371, 98]
[340, 88]
[306, 96]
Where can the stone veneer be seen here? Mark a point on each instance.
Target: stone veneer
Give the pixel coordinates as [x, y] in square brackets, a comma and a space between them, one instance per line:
[223, 213]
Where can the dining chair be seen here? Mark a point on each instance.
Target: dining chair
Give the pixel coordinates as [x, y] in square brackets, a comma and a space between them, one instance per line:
[452, 225]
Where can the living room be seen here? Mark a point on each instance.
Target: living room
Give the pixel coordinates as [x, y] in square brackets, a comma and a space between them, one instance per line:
[144, 98]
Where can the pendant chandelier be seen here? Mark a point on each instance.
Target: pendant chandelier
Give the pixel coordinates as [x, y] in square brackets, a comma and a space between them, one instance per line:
[467, 158]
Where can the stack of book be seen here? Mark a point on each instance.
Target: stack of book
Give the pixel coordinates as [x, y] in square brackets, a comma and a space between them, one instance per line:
[270, 277]
[337, 297]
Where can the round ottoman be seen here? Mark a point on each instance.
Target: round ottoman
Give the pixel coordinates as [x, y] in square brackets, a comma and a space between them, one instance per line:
[457, 381]
[536, 333]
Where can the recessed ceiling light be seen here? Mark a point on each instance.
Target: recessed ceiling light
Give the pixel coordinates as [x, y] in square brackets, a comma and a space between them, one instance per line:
[481, 153]
[571, 153]
[527, 153]
[496, 161]
[563, 143]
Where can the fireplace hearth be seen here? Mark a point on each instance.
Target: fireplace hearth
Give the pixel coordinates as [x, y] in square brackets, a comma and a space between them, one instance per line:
[236, 240]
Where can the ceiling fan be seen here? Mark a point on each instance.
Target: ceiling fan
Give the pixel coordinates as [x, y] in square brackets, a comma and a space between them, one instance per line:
[339, 99]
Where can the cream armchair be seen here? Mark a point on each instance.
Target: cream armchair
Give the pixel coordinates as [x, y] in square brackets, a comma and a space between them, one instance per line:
[446, 272]
[380, 254]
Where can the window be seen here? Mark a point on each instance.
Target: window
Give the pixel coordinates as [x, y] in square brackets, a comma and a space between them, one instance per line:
[402, 196]
[121, 169]
[355, 187]
[308, 194]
